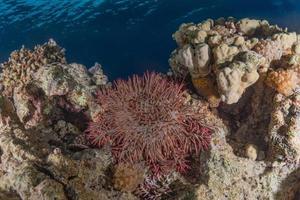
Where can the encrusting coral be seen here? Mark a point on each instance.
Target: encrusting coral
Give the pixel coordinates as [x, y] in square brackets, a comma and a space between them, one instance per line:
[145, 119]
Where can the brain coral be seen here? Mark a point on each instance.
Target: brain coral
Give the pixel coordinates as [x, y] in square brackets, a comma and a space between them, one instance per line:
[146, 119]
[17, 71]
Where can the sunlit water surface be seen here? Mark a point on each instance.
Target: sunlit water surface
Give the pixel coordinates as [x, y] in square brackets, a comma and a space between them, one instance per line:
[125, 36]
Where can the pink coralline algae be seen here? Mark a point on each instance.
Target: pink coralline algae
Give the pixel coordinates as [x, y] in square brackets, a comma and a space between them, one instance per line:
[146, 119]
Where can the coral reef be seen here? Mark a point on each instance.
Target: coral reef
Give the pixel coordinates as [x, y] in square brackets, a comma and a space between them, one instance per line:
[230, 53]
[22, 64]
[40, 156]
[67, 133]
[284, 128]
[253, 83]
[50, 85]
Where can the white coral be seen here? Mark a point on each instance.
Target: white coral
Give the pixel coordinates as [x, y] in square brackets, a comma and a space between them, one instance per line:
[234, 78]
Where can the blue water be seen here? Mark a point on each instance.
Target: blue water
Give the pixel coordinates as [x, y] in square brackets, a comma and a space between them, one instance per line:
[125, 36]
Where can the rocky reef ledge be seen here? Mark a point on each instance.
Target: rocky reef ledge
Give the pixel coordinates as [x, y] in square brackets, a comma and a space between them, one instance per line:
[224, 123]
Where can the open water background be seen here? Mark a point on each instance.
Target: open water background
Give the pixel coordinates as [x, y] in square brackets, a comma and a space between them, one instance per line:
[125, 36]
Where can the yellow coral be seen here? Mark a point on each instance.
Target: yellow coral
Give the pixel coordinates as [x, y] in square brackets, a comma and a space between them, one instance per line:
[128, 177]
[284, 81]
[206, 87]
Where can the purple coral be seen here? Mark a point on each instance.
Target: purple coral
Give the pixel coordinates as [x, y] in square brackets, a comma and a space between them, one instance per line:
[146, 119]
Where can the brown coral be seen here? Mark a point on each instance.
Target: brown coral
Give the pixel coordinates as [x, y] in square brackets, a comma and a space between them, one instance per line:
[206, 87]
[128, 177]
[18, 70]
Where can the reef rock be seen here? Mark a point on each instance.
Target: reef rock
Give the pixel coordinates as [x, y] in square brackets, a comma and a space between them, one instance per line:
[255, 73]
[228, 176]
[98, 77]
[71, 81]
[284, 128]
[40, 111]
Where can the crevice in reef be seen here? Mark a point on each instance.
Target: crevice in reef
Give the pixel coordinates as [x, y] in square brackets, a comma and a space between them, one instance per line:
[9, 195]
[248, 120]
[290, 187]
[69, 191]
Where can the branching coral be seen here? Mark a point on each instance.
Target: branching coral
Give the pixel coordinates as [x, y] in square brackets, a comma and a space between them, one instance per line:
[146, 119]
[18, 70]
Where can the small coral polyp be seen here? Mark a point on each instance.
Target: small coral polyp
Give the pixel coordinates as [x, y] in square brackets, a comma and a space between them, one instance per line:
[146, 119]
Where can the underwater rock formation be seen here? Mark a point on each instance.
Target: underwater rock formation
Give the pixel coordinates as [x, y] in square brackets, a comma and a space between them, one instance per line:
[43, 155]
[231, 53]
[252, 78]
